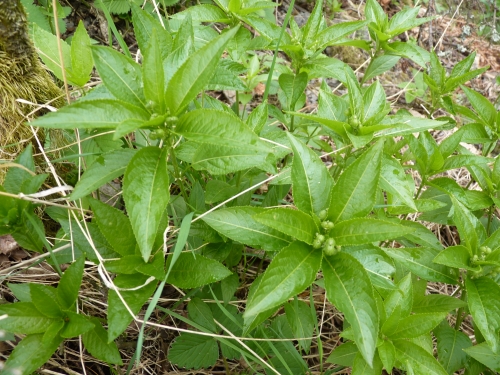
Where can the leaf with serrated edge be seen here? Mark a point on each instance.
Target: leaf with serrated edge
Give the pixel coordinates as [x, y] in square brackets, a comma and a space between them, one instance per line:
[238, 224]
[195, 73]
[93, 114]
[355, 191]
[109, 220]
[120, 74]
[483, 298]
[483, 354]
[23, 317]
[290, 272]
[366, 230]
[70, 283]
[106, 168]
[96, 342]
[30, 354]
[311, 181]
[418, 358]
[188, 272]
[349, 288]
[153, 75]
[296, 224]
[146, 194]
[194, 351]
[393, 180]
[450, 347]
[417, 325]
[419, 260]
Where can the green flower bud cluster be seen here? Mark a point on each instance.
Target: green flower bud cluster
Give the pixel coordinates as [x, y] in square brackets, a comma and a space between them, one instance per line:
[327, 244]
[495, 272]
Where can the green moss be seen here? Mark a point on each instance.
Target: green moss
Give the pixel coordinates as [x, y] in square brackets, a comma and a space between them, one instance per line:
[22, 76]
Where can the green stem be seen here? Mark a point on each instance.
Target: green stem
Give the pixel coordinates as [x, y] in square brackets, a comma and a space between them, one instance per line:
[460, 313]
[271, 69]
[178, 174]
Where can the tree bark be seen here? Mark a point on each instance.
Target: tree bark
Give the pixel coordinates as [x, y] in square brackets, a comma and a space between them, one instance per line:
[22, 76]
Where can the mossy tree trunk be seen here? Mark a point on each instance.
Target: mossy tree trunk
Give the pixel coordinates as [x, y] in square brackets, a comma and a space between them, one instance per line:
[22, 76]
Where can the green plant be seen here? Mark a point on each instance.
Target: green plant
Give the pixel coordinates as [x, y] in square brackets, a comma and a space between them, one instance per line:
[191, 171]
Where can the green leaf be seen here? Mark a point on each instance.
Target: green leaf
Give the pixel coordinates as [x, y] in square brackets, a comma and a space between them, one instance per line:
[153, 75]
[483, 298]
[293, 223]
[23, 317]
[81, 56]
[110, 220]
[218, 191]
[30, 354]
[379, 65]
[228, 144]
[191, 272]
[467, 225]
[219, 128]
[200, 313]
[146, 194]
[375, 105]
[16, 177]
[405, 20]
[400, 298]
[485, 355]
[333, 34]
[366, 230]
[96, 342]
[94, 114]
[46, 45]
[379, 266]
[195, 73]
[238, 224]
[194, 351]
[144, 24]
[313, 25]
[483, 107]
[418, 358]
[70, 283]
[298, 315]
[387, 354]
[119, 316]
[374, 13]
[106, 168]
[360, 367]
[344, 354]
[450, 346]
[293, 86]
[45, 299]
[354, 194]
[258, 117]
[419, 260]
[417, 325]
[456, 257]
[393, 180]
[437, 303]
[349, 288]
[120, 74]
[205, 13]
[291, 271]
[76, 324]
[311, 180]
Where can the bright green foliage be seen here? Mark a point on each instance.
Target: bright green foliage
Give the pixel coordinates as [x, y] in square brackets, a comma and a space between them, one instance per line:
[315, 200]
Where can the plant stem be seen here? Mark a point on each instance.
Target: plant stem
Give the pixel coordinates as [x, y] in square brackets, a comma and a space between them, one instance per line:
[271, 69]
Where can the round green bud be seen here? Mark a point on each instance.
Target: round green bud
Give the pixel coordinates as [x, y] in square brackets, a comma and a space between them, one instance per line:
[327, 225]
[157, 134]
[475, 258]
[322, 214]
[317, 244]
[329, 250]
